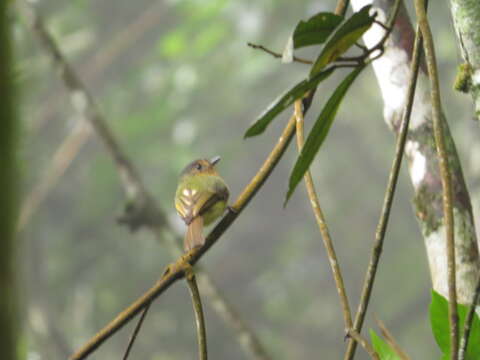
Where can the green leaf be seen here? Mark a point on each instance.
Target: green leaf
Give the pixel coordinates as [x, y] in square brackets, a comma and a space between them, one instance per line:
[384, 350]
[441, 328]
[319, 132]
[347, 35]
[284, 101]
[439, 321]
[315, 30]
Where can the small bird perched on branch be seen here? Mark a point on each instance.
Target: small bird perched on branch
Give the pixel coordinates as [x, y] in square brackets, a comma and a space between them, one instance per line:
[201, 198]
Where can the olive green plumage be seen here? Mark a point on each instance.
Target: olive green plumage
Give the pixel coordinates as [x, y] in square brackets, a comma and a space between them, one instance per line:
[201, 197]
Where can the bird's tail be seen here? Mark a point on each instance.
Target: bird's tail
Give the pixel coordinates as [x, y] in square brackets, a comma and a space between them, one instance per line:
[194, 236]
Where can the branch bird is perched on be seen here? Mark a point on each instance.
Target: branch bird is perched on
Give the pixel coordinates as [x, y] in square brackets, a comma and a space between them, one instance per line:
[201, 198]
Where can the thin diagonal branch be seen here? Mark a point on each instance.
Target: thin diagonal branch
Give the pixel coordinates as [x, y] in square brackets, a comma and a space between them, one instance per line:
[444, 171]
[135, 332]
[391, 340]
[388, 199]
[353, 334]
[468, 323]
[143, 209]
[197, 308]
[322, 225]
[176, 271]
[245, 337]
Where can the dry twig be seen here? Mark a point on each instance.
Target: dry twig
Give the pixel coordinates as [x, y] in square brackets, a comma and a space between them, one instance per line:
[197, 307]
[322, 225]
[391, 340]
[135, 332]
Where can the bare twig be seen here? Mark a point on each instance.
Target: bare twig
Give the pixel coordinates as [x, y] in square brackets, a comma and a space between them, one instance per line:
[197, 307]
[391, 340]
[444, 171]
[135, 332]
[322, 225]
[352, 333]
[141, 203]
[278, 55]
[245, 337]
[350, 59]
[388, 199]
[469, 322]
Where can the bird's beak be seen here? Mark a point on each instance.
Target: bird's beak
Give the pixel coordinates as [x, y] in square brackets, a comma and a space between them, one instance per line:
[215, 160]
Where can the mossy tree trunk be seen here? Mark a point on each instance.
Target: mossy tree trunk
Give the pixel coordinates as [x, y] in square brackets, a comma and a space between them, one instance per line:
[392, 71]
[466, 18]
[8, 305]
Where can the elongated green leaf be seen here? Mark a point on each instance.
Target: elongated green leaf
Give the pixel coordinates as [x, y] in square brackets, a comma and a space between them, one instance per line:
[346, 35]
[315, 30]
[384, 351]
[319, 132]
[441, 328]
[284, 101]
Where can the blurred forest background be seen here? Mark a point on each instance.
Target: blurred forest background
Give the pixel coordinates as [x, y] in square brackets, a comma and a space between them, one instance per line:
[176, 81]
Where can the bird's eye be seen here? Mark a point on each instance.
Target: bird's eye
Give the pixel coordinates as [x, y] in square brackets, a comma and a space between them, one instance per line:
[198, 166]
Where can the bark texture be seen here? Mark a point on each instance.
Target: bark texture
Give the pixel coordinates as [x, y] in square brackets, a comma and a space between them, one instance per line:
[392, 72]
[466, 18]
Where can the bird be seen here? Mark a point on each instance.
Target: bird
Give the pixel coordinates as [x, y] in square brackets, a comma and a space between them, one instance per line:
[201, 197]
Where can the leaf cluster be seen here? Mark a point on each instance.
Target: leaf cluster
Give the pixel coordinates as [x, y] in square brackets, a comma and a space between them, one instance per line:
[336, 36]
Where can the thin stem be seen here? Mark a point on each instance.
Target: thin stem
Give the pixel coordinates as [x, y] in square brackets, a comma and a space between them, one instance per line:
[245, 337]
[135, 332]
[468, 323]
[197, 308]
[388, 199]
[322, 225]
[365, 344]
[391, 340]
[444, 171]
[278, 55]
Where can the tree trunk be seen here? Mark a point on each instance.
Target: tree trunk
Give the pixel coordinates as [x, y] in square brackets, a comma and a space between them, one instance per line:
[392, 71]
[8, 318]
[466, 18]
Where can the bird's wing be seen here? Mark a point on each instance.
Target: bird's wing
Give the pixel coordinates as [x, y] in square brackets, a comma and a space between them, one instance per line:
[192, 203]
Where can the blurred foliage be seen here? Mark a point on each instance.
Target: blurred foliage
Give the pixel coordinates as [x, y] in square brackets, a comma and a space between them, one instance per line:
[189, 87]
